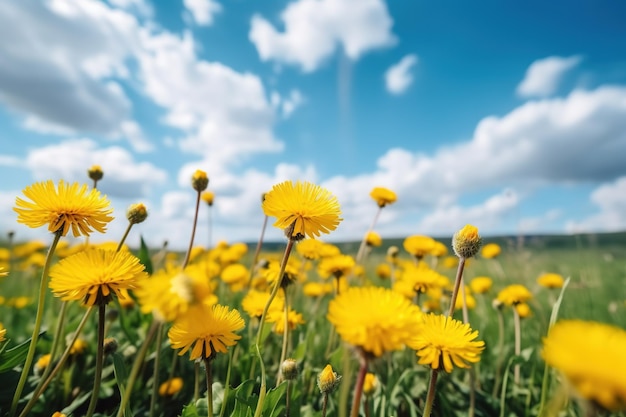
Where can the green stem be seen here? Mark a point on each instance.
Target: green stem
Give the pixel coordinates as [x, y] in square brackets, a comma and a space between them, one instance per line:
[119, 246]
[518, 344]
[500, 358]
[430, 397]
[193, 230]
[457, 285]
[358, 388]
[283, 352]
[132, 377]
[99, 361]
[231, 353]
[43, 286]
[324, 404]
[196, 380]
[155, 375]
[288, 398]
[257, 251]
[361, 252]
[46, 381]
[209, 385]
[283, 266]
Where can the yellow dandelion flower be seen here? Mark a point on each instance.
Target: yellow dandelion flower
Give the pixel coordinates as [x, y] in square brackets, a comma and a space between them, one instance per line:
[67, 207]
[439, 250]
[94, 275]
[42, 362]
[254, 302]
[514, 294]
[78, 347]
[466, 242]
[418, 245]
[58, 414]
[209, 329]
[309, 248]
[383, 271]
[290, 274]
[328, 249]
[490, 251]
[278, 318]
[336, 266]
[451, 262]
[19, 302]
[373, 239]
[551, 280]
[446, 342]
[3, 273]
[421, 278]
[170, 387]
[317, 289]
[302, 209]
[591, 356]
[470, 301]
[373, 318]
[3, 333]
[383, 196]
[208, 197]
[236, 276]
[481, 285]
[523, 309]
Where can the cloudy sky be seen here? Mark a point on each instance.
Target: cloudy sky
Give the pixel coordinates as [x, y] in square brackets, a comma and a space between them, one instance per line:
[507, 115]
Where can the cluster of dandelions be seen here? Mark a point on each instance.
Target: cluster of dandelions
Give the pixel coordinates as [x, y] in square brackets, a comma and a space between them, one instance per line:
[374, 321]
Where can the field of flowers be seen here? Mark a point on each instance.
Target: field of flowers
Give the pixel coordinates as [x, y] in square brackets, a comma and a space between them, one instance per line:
[415, 327]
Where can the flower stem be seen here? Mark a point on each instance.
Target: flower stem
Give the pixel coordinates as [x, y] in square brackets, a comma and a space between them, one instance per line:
[231, 354]
[46, 381]
[518, 344]
[287, 398]
[99, 361]
[257, 251]
[155, 375]
[209, 385]
[132, 377]
[196, 379]
[283, 265]
[324, 404]
[457, 285]
[283, 352]
[193, 230]
[430, 397]
[358, 388]
[500, 358]
[119, 245]
[43, 286]
[361, 252]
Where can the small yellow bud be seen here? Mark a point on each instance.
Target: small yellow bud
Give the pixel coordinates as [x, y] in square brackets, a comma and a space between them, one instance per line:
[289, 369]
[370, 384]
[110, 345]
[208, 197]
[170, 387]
[199, 180]
[328, 380]
[42, 363]
[523, 310]
[58, 414]
[373, 239]
[137, 213]
[95, 172]
[466, 242]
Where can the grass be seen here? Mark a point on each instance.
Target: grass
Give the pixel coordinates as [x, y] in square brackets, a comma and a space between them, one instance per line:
[595, 264]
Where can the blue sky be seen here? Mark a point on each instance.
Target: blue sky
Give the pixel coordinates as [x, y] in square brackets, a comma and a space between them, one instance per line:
[509, 116]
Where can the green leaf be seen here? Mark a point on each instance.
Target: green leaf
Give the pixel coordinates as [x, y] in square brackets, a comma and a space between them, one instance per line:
[144, 256]
[121, 375]
[272, 406]
[13, 357]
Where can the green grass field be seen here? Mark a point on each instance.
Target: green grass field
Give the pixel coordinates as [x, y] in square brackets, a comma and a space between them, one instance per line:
[594, 264]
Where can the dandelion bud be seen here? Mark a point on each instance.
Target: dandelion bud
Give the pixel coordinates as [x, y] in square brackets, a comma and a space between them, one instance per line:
[136, 213]
[95, 172]
[208, 197]
[58, 414]
[289, 369]
[110, 345]
[466, 242]
[170, 387]
[42, 363]
[199, 180]
[112, 314]
[328, 380]
[392, 253]
[370, 384]
[497, 304]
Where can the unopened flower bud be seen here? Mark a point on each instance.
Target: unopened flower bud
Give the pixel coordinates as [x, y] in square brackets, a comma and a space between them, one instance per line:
[289, 369]
[136, 213]
[370, 383]
[110, 345]
[95, 172]
[466, 242]
[199, 180]
[328, 380]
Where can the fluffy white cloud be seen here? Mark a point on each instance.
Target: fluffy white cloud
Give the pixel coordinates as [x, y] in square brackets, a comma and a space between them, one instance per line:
[69, 160]
[203, 11]
[543, 76]
[314, 29]
[610, 199]
[398, 78]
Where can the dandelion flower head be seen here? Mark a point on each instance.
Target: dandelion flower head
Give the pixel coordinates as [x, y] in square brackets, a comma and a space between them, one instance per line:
[62, 208]
[514, 294]
[3, 333]
[94, 275]
[481, 285]
[466, 242]
[383, 196]
[336, 266]
[373, 239]
[170, 387]
[206, 330]
[490, 251]
[310, 248]
[418, 245]
[302, 209]
[591, 356]
[327, 380]
[551, 280]
[446, 342]
[375, 319]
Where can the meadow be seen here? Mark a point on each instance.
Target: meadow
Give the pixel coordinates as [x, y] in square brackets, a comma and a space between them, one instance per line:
[267, 371]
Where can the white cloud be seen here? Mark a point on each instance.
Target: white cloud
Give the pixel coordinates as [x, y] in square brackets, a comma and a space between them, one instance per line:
[314, 29]
[142, 7]
[69, 160]
[540, 224]
[398, 78]
[610, 199]
[543, 76]
[203, 11]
